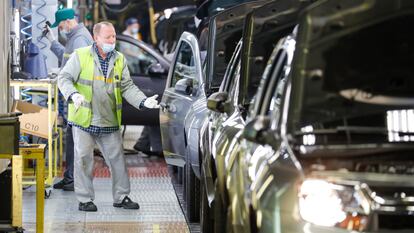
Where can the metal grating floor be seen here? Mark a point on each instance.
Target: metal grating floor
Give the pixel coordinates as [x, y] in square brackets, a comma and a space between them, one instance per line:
[150, 186]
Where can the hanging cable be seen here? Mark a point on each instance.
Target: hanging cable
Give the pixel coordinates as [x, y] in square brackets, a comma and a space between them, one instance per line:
[41, 24]
[108, 8]
[26, 96]
[26, 18]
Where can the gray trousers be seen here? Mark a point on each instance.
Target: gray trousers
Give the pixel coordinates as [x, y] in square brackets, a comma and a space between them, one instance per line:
[112, 150]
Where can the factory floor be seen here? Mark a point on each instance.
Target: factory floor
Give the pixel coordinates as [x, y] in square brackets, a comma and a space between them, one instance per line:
[150, 186]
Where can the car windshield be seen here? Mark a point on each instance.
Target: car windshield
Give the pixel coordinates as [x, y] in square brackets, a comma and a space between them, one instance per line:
[364, 91]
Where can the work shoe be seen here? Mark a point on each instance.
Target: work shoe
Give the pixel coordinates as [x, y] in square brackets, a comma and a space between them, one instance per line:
[87, 206]
[61, 184]
[157, 153]
[127, 203]
[146, 151]
[69, 187]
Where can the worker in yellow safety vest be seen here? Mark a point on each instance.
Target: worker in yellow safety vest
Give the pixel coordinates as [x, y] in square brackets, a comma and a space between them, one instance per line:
[94, 80]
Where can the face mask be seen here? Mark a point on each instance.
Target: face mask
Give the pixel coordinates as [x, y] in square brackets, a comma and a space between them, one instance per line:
[135, 30]
[107, 48]
[65, 31]
[63, 36]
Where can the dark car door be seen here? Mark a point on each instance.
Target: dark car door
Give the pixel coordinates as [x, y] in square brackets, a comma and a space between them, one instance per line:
[181, 92]
[148, 71]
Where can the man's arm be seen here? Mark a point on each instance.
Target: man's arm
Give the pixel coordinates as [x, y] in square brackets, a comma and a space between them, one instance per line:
[69, 75]
[129, 91]
[58, 49]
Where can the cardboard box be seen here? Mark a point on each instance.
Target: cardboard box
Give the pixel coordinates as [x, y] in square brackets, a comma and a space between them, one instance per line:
[34, 120]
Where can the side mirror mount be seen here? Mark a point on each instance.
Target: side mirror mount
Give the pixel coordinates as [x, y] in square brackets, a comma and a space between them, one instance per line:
[184, 86]
[258, 131]
[156, 70]
[218, 102]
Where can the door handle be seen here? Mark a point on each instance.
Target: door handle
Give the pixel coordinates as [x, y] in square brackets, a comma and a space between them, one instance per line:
[164, 107]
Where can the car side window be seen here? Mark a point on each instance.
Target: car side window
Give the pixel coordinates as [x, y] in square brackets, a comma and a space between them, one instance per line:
[184, 66]
[138, 60]
[277, 89]
[233, 65]
[234, 84]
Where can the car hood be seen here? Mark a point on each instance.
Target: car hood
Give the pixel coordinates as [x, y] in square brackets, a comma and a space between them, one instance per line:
[345, 46]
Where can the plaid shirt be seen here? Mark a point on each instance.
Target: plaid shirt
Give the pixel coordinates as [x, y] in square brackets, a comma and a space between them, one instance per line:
[95, 130]
[104, 62]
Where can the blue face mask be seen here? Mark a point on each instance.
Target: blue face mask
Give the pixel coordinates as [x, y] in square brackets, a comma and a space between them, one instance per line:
[107, 48]
[134, 30]
[64, 37]
[65, 31]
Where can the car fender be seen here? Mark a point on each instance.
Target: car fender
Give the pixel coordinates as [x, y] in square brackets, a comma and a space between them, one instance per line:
[193, 123]
[274, 189]
[206, 160]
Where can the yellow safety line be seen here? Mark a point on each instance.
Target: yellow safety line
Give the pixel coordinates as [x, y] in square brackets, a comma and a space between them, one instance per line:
[156, 228]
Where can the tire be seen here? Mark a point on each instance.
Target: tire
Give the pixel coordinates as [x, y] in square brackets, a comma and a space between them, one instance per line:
[184, 182]
[252, 219]
[219, 212]
[206, 218]
[180, 175]
[192, 196]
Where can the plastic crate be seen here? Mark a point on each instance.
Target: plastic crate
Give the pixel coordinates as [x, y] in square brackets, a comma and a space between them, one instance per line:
[9, 134]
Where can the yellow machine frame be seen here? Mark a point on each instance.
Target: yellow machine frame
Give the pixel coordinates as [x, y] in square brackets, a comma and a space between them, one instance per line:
[54, 155]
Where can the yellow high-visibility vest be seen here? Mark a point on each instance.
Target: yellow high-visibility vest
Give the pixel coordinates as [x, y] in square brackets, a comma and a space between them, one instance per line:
[83, 115]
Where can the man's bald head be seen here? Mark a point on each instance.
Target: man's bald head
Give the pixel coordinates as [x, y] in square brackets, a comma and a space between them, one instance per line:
[104, 33]
[98, 27]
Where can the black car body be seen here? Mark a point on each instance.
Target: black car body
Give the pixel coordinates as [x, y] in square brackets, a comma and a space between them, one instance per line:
[328, 146]
[172, 24]
[190, 82]
[264, 26]
[148, 71]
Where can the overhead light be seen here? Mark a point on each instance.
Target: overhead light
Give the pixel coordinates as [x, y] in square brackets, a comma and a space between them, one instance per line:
[69, 4]
[400, 121]
[167, 13]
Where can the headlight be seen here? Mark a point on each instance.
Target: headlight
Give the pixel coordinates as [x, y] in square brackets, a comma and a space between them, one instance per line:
[327, 204]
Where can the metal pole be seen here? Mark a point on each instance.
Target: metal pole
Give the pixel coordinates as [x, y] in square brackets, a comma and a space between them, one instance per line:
[5, 13]
[96, 12]
[152, 22]
[82, 10]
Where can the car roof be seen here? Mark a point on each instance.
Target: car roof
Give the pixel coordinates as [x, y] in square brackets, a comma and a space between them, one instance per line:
[148, 48]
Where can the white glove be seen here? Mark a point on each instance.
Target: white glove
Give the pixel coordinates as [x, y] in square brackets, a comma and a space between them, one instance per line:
[49, 35]
[77, 100]
[151, 102]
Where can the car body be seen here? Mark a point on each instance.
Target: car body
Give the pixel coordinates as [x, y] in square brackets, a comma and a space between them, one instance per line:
[172, 24]
[190, 82]
[315, 158]
[148, 70]
[230, 105]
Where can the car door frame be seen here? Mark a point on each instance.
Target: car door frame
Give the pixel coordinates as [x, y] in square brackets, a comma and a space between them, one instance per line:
[255, 157]
[147, 48]
[177, 158]
[146, 114]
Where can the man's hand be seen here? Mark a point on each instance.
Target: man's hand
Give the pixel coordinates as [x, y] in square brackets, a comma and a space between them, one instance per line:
[151, 102]
[49, 34]
[77, 100]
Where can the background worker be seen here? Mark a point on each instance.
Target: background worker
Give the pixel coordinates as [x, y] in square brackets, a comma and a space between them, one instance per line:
[149, 141]
[77, 36]
[94, 80]
[132, 28]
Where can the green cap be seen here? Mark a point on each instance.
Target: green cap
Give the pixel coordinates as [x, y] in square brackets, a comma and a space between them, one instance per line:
[88, 16]
[63, 14]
